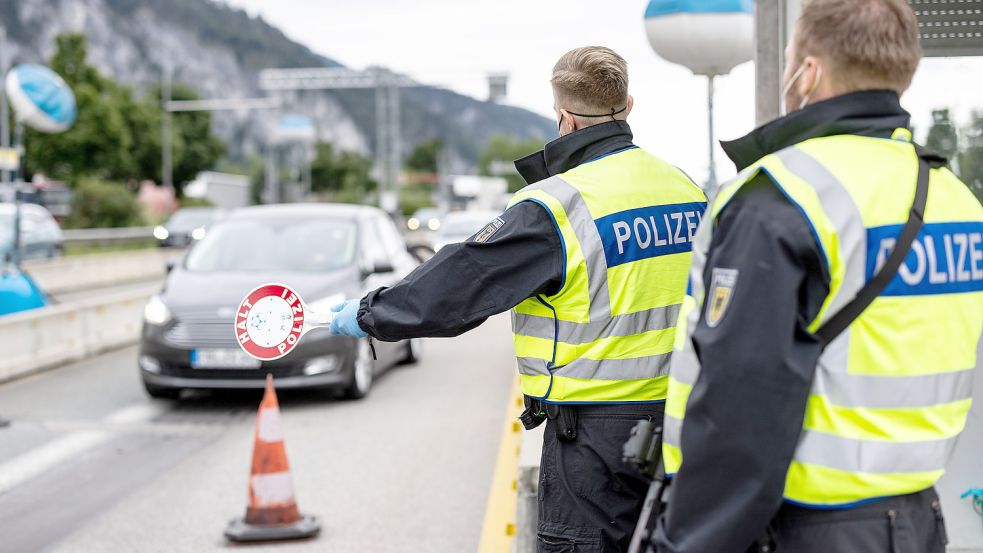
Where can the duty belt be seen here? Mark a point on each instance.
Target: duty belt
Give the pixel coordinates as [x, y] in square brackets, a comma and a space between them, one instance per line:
[537, 412]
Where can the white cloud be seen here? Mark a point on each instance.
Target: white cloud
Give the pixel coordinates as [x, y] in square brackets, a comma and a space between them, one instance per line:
[454, 43]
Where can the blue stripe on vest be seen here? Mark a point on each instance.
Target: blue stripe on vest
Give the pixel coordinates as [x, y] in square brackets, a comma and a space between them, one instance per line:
[946, 258]
[646, 232]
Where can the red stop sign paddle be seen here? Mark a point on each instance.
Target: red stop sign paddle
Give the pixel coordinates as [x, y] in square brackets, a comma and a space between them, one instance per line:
[272, 319]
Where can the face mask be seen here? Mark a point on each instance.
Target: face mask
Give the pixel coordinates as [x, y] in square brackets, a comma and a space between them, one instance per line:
[795, 77]
[559, 124]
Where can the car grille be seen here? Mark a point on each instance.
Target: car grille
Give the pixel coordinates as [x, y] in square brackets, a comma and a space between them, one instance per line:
[203, 333]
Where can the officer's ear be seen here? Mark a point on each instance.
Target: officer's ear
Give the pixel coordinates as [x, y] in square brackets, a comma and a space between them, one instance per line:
[628, 105]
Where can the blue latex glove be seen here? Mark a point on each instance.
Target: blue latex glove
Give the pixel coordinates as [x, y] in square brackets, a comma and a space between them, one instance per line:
[345, 322]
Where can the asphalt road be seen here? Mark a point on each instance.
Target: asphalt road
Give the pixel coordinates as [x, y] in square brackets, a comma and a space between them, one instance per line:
[90, 464]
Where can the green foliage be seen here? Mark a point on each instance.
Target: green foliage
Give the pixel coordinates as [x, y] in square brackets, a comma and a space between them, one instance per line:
[412, 198]
[425, 157]
[502, 149]
[971, 157]
[196, 202]
[942, 134]
[345, 176]
[99, 204]
[117, 136]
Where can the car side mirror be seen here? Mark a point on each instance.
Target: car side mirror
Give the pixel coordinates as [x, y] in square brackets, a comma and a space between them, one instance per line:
[382, 266]
[170, 264]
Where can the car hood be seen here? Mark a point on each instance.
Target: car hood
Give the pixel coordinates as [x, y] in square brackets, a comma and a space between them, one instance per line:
[188, 293]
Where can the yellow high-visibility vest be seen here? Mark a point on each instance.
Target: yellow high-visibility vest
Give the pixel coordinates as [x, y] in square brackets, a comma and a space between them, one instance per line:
[626, 221]
[892, 392]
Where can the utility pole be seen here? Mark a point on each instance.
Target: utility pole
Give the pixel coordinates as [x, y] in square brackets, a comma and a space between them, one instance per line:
[712, 176]
[769, 20]
[167, 178]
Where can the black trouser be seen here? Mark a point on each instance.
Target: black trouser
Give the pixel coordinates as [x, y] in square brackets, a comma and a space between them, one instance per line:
[904, 524]
[589, 499]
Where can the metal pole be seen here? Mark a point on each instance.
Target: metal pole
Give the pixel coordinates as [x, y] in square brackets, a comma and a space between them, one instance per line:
[381, 129]
[395, 165]
[769, 19]
[167, 177]
[712, 177]
[4, 105]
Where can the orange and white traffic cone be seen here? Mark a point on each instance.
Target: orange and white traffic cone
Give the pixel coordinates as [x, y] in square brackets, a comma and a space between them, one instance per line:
[272, 513]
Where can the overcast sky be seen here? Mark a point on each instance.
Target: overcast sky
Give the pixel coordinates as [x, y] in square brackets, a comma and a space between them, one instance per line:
[455, 43]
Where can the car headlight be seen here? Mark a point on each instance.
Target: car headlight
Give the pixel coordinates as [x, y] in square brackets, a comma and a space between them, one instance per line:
[413, 223]
[198, 233]
[161, 233]
[433, 224]
[156, 313]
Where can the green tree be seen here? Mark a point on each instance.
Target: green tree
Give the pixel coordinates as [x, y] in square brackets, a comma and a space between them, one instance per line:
[117, 136]
[345, 176]
[425, 156]
[100, 142]
[971, 157]
[942, 137]
[499, 153]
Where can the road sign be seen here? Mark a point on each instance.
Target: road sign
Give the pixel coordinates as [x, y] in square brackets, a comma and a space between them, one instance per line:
[950, 27]
[272, 319]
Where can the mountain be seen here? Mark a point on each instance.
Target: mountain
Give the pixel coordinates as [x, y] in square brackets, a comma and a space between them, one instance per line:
[219, 51]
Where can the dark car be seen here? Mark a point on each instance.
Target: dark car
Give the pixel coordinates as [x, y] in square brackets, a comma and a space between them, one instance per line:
[326, 252]
[186, 225]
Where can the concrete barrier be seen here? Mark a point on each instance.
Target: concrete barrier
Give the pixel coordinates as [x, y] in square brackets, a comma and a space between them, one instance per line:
[35, 340]
[83, 272]
[527, 489]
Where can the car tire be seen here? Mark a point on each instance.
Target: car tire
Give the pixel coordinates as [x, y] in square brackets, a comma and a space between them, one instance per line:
[161, 392]
[363, 369]
[414, 351]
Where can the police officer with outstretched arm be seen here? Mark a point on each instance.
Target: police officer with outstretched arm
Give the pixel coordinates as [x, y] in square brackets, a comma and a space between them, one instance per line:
[826, 371]
[592, 259]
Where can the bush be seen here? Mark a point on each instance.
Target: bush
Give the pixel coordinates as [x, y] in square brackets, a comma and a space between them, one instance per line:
[101, 204]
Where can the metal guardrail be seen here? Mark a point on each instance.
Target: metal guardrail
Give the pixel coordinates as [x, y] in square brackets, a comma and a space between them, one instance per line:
[107, 235]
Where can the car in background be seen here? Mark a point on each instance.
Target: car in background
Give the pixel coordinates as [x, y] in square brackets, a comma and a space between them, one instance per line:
[40, 235]
[328, 253]
[186, 225]
[458, 226]
[424, 219]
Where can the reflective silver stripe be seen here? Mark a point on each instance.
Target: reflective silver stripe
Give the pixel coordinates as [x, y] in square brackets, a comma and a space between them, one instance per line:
[875, 457]
[843, 212]
[636, 368]
[532, 366]
[672, 430]
[659, 318]
[852, 390]
[685, 366]
[591, 246]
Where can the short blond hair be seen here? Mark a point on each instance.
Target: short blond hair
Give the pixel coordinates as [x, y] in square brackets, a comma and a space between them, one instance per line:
[591, 80]
[871, 44]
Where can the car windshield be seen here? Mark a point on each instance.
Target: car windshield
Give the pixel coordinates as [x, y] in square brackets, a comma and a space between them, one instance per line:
[275, 245]
[6, 226]
[192, 217]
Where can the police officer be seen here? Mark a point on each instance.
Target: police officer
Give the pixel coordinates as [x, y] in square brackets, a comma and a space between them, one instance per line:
[822, 381]
[592, 259]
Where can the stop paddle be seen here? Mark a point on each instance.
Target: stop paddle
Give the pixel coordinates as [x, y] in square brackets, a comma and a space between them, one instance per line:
[272, 319]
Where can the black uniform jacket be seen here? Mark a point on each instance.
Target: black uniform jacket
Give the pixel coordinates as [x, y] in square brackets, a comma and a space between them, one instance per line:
[746, 410]
[464, 284]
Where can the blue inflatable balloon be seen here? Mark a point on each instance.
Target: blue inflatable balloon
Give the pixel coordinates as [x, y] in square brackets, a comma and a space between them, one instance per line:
[40, 98]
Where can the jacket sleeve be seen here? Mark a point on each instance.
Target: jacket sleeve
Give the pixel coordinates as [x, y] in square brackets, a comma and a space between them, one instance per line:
[745, 412]
[464, 284]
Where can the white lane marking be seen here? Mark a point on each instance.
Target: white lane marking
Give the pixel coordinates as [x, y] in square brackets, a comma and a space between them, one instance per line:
[42, 459]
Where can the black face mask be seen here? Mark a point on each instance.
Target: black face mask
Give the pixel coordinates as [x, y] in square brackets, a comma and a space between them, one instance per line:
[559, 124]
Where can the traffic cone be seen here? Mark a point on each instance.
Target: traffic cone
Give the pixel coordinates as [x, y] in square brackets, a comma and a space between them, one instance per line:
[272, 513]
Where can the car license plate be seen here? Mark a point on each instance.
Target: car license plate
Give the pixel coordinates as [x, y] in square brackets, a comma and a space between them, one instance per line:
[222, 359]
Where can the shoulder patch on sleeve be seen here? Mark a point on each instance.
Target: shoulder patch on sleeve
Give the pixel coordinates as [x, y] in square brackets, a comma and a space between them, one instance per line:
[489, 230]
[722, 284]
